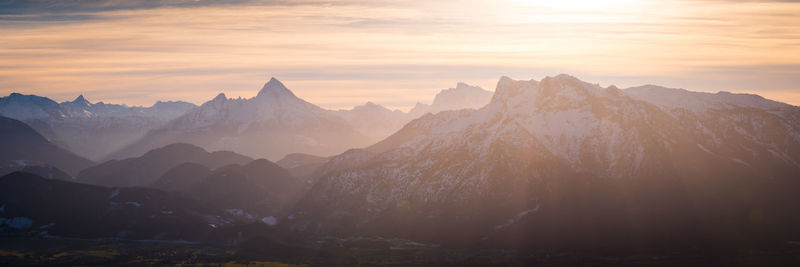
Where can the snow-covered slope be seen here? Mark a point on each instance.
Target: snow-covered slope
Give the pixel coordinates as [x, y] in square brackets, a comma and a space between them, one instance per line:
[29, 107]
[270, 125]
[538, 142]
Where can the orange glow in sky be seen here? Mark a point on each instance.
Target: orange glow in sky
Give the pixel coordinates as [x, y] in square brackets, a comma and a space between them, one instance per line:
[343, 53]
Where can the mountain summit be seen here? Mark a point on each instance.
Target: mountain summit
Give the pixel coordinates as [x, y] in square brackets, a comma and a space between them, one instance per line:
[270, 125]
[81, 101]
[274, 88]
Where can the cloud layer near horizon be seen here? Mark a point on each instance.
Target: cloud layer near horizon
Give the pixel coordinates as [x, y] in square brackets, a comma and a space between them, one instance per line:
[343, 53]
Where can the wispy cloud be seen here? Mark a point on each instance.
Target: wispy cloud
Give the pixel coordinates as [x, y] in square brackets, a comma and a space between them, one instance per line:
[71, 6]
[341, 53]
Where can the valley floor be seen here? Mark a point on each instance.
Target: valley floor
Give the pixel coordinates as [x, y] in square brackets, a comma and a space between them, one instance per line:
[23, 251]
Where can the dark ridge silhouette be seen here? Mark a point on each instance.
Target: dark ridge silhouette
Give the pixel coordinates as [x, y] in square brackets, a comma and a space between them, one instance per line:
[146, 169]
[22, 145]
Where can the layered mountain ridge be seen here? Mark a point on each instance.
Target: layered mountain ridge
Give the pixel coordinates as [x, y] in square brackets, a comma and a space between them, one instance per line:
[146, 169]
[276, 122]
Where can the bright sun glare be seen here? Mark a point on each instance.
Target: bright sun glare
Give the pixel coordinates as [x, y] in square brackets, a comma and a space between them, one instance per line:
[578, 5]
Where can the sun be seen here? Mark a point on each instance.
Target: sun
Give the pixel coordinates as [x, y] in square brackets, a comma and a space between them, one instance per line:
[578, 5]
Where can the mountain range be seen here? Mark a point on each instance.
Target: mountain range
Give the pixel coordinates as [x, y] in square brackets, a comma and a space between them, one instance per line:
[556, 163]
[276, 122]
[92, 130]
[542, 152]
[270, 125]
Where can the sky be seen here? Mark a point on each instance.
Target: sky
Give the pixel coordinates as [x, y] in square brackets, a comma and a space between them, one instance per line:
[342, 53]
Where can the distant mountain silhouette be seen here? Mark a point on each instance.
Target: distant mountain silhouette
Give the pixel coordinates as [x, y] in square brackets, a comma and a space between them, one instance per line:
[463, 96]
[378, 122]
[374, 120]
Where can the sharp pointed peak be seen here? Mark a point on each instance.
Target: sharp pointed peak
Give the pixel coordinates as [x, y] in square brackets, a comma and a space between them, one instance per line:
[81, 100]
[274, 88]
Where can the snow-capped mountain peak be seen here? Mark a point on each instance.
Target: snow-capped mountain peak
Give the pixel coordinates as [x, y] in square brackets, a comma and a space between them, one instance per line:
[273, 123]
[81, 101]
[26, 107]
[275, 89]
[80, 107]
